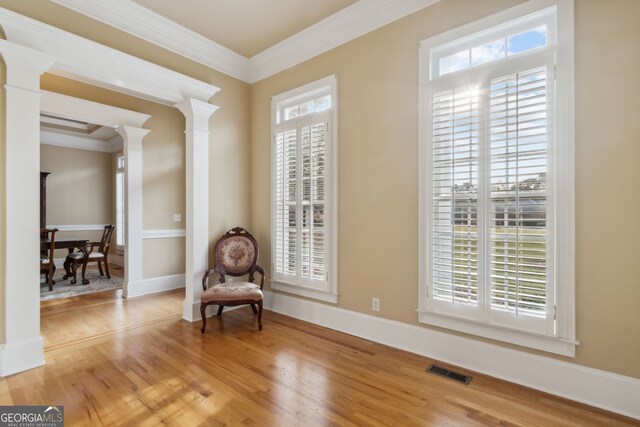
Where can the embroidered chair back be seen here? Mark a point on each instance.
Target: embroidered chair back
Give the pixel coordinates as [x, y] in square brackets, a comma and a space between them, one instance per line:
[236, 254]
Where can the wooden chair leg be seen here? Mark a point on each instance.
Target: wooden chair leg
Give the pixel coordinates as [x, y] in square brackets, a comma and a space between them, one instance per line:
[259, 315]
[52, 271]
[84, 272]
[106, 268]
[254, 308]
[203, 308]
[100, 268]
[220, 308]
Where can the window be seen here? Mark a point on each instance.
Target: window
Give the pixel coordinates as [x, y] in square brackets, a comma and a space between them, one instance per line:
[304, 192]
[120, 203]
[497, 178]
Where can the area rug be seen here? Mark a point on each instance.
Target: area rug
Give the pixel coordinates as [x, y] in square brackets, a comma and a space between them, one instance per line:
[64, 288]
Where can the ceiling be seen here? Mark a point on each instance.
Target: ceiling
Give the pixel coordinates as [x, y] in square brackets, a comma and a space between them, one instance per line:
[69, 133]
[246, 26]
[246, 39]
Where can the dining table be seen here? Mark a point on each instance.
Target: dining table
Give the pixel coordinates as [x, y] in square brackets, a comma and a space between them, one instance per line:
[71, 243]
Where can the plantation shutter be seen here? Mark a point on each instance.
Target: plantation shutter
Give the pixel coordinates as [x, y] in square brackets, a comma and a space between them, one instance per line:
[518, 211]
[455, 196]
[300, 205]
[490, 241]
[120, 199]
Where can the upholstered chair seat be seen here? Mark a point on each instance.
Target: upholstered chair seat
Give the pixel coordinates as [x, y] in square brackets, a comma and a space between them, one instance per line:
[80, 256]
[232, 291]
[236, 256]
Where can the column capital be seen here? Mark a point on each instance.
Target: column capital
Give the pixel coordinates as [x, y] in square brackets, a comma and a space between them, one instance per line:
[197, 113]
[24, 65]
[132, 136]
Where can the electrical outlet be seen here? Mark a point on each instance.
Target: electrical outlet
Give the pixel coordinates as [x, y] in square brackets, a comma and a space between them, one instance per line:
[177, 217]
[375, 304]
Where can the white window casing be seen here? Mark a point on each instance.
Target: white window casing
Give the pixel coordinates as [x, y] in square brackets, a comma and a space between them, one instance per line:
[497, 178]
[120, 204]
[304, 191]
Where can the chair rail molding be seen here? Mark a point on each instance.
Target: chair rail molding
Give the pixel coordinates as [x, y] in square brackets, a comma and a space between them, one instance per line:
[84, 60]
[164, 234]
[78, 227]
[348, 24]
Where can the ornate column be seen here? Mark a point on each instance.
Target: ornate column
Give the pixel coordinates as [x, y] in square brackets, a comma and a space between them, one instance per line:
[133, 260]
[23, 347]
[197, 114]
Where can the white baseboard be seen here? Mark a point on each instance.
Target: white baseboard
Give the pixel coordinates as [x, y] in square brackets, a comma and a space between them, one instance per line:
[154, 285]
[602, 389]
[116, 259]
[21, 356]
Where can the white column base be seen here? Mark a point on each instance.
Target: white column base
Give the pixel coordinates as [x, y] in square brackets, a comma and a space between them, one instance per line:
[18, 357]
[191, 312]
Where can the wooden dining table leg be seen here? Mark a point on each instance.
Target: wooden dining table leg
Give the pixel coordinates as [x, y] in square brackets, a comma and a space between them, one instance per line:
[85, 251]
[67, 267]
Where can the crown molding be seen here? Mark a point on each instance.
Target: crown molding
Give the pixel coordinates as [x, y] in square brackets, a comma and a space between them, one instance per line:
[80, 142]
[348, 24]
[143, 23]
[90, 62]
[342, 27]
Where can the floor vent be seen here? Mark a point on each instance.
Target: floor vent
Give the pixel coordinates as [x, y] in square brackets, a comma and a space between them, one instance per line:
[456, 376]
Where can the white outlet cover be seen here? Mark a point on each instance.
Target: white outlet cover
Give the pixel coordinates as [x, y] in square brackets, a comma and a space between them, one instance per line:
[177, 217]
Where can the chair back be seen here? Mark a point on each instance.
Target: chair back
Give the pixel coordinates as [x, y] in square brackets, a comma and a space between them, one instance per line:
[236, 254]
[105, 241]
[47, 244]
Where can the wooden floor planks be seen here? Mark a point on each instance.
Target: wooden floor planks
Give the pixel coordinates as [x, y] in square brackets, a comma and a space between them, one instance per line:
[135, 362]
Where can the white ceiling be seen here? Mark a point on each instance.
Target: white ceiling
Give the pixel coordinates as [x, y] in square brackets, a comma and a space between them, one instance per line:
[246, 26]
[69, 133]
[247, 39]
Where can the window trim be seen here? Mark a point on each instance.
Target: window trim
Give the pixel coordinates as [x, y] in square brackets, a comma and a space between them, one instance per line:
[330, 293]
[121, 169]
[563, 223]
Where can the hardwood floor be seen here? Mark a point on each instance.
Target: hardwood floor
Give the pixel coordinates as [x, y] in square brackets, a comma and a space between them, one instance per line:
[134, 362]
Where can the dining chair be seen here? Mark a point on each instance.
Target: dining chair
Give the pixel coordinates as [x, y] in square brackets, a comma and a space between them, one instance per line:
[236, 255]
[47, 250]
[99, 252]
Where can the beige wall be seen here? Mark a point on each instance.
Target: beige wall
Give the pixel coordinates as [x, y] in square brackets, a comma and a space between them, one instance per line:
[378, 77]
[79, 189]
[378, 173]
[164, 155]
[163, 164]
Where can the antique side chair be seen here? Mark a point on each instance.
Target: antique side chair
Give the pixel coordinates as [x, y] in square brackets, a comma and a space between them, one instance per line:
[99, 253]
[47, 250]
[236, 255]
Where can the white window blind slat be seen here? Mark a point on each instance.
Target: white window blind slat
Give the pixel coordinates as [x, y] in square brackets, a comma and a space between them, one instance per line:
[300, 223]
[518, 210]
[120, 203]
[505, 117]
